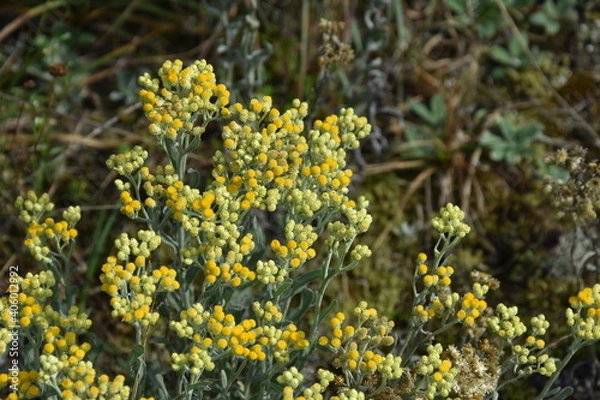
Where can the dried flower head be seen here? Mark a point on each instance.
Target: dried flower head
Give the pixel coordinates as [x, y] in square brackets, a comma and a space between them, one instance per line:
[333, 50]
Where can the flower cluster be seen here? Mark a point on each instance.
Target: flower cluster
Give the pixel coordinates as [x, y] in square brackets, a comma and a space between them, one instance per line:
[472, 305]
[431, 284]
[356, 346]
[173, 103]
[439, 277]
[333, 50]
[449, 221]
[34, 314]
[292, 378]
[196, 360]
[132, 283]
[469, 371]
[530, 354]
[102, 388]
[438, 373]
[268, 164]
[35, 290]
[436, 299]
[507, 324]
[46, 237]
[26, 387]
[62, 367]
[128, 162]
[38, 286]
[584, 314]
[218, 332]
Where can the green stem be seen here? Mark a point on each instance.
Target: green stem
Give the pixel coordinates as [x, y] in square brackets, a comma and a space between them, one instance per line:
[326, 280]
[141, 370]
[574, 348]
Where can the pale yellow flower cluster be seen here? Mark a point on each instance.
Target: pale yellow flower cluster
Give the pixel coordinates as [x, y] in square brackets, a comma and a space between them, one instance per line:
[437, 372]
[62, 364]
[357, 345]
[584, 314]
[132, 282]
[45, 236]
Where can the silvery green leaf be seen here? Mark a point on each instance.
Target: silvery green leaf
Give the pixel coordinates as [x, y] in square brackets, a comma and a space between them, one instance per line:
[422, 111]
[501, 55]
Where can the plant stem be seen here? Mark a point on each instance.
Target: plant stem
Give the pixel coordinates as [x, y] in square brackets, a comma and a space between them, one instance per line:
[574, 348]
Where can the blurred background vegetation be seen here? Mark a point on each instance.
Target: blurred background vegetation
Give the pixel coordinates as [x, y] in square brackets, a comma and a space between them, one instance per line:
[470, 100]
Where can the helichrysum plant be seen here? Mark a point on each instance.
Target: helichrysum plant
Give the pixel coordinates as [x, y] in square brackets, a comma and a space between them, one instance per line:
[220, 307]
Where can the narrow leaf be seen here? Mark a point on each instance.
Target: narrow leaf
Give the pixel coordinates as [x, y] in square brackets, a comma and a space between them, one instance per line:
[564, 393]
[326, 311]
[302, 281]
[163, 393]
[438, 108]
[193, 387]
[307, 300]
[136, 352]
[224, 380]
